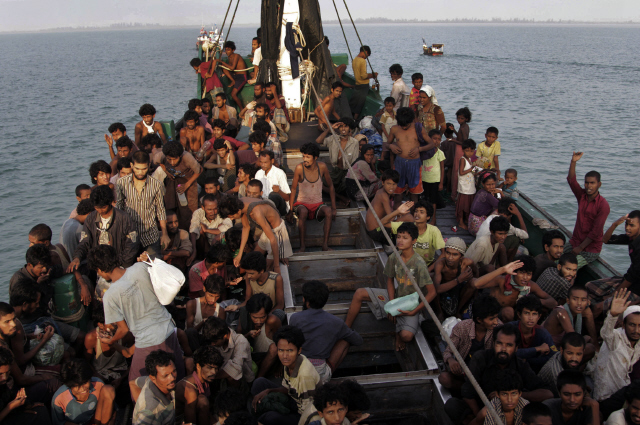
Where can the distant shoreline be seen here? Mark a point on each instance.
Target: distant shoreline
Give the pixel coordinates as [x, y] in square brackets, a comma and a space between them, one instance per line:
[370, 21]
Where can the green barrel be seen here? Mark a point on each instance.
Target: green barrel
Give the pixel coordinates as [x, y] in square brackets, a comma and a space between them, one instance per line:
[66, 297]
[169, 128]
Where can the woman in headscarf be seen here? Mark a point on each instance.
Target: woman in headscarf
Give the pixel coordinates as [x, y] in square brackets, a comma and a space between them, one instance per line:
[364, 171]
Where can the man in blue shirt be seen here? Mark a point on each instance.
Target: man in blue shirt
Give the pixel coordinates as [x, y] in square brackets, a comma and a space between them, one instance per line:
[83, 398]
[327, 338]
[535, 343]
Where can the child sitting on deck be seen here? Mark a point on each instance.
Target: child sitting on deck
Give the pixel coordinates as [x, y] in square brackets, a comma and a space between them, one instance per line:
[489, 151]
[510, 185]
[466, 184]
[382, 206]
[407, 322]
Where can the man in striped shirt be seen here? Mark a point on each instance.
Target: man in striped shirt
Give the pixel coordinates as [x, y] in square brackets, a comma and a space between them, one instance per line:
[140, 196]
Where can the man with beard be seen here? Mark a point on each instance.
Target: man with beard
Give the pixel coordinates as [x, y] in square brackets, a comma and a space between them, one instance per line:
[593, 211]
[327, 337]
[485, 365]
[248, 113]
[620, 349]
[470, 336]
[557, 280]
[155, 394]
[630, 413]
[14, 409]
[552, 246]
[511, 282]
[328, 105]
[125, 149]
[310, 176]
[278, 113]
[574, 407]
[452, 273]
[132, 304]
[570, 357]
[148, 125]
[574, 316]
[140, 196]
[180, 247]
[193, 392]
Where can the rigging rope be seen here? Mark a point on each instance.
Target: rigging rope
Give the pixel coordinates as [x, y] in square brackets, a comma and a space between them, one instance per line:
[231, 23]
[342, 28]
[360, 40]
[443, 333]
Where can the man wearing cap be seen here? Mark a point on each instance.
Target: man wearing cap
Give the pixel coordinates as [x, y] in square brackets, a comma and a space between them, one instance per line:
[620, 349]
[361, 90]
[452, 272]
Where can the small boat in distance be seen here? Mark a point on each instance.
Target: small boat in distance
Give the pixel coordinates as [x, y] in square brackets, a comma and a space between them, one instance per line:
[433, 50]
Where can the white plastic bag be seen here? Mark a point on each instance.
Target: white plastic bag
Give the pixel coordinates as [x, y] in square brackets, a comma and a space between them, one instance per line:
[166, 279]
[449, 324]
[51, 352]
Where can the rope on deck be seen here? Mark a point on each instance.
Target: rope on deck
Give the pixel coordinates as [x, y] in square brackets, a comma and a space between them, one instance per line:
[443, 333]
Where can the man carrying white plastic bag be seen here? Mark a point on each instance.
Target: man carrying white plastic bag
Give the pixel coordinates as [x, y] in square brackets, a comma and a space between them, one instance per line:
[131, 304]
[407, 321]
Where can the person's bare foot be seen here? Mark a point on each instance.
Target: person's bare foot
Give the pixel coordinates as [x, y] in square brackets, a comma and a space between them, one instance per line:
[400, 344]
[326, 248]
[463, 226]
[302, 248]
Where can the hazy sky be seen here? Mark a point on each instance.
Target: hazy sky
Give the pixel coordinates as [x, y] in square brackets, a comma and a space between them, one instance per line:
[26, 15]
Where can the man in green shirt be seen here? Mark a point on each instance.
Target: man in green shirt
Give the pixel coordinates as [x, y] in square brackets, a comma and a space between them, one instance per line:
[361, 90]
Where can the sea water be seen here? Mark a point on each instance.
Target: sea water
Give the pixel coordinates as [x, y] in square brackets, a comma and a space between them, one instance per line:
[549, 89]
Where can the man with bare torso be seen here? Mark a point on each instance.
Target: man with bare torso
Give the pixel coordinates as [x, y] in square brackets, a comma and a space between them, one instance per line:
[405, 158]
[262, 213]
[328, 104]
[148, 125]
[224, 112]
[236, 72]
[192, 135]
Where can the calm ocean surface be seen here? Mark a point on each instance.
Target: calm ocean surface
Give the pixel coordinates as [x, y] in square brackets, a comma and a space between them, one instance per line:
[550, 90]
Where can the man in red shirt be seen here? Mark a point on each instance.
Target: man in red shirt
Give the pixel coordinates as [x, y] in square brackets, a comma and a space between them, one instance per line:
[593, 211]
[207, 71]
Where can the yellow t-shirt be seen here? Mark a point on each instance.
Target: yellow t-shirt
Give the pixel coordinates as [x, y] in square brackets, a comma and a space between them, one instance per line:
[486, 153]
[360, 70]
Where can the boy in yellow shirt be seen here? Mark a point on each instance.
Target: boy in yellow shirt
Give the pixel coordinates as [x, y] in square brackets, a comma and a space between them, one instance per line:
[489, 151]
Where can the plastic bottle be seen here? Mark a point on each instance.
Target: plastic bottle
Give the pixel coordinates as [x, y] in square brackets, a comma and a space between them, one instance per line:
[182, 198]
[406, 303]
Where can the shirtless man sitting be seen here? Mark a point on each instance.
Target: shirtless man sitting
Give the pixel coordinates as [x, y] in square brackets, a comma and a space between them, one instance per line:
[452, 274]
[192, 392]
[192, 135]
[328, 104]
[511, 282]
[274, 239]
[574, 316]
[148, 125]
[310, 175]
[239, 77]
[381, 205]
[405, 158]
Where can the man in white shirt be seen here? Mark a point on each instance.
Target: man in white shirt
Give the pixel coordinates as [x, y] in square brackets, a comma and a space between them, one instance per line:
[620, 349]
[399, 90]
[507, 208]
[274, 182]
